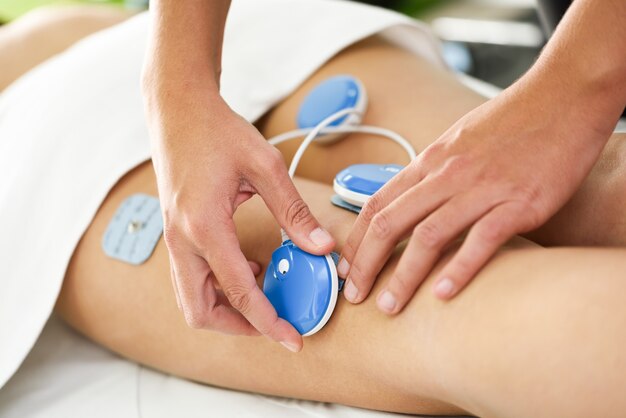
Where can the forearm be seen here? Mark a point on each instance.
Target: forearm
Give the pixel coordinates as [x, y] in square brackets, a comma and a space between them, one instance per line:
[185, 43]
[585, 61]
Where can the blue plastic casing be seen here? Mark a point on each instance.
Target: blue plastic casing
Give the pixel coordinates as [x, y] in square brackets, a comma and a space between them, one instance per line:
[358, 182]
[302, 287]
[329, 97]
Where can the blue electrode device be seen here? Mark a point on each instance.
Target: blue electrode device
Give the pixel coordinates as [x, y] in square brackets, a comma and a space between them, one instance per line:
[303, 287]
[329, 97]
[358, 182]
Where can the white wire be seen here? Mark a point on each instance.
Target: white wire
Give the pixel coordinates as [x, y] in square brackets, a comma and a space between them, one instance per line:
[313, 134]
[329, 130]
[323, 129]
[296, 133]
[394, 136]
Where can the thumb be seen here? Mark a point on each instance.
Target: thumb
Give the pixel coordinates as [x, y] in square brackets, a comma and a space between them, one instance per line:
[293, 214]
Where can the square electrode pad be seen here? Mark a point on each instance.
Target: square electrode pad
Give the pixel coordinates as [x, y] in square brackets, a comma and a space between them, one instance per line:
[134, 231]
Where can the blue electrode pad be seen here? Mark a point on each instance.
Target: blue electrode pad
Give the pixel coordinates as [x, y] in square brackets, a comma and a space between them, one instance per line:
[355, 184]
[134, 231]
[329, 97]
[302, 287]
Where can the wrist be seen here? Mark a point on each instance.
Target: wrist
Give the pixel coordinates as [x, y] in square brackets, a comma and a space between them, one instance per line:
[585, 99]
[162, 75]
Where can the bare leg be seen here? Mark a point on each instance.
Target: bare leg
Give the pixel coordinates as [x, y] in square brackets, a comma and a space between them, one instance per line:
[47, 31]
[540, 332]
[419, 101]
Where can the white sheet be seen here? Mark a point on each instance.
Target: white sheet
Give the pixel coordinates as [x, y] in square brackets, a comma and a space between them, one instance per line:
[72, 127]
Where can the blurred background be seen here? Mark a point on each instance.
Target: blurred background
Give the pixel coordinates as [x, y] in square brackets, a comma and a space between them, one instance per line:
[492, 40]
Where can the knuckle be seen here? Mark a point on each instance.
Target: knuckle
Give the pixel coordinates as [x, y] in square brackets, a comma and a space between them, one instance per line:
[273, 161]
[464, 267]
[171, 236]
[526, 193]
[269, 329]
[455, 166]
[370, 208]
[380, 225]
[357, 275]
[298, 212]
[269, 162]
[528, 207]
[430, 152]
[197, 230]
[349, 250]
[196, 320]
[402, 283]
[239, 297]
[428, 235]
[493, 231]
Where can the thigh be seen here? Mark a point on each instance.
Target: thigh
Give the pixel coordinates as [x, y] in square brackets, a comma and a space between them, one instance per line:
[531, 319]
[405, 93]
[132, 310]
[411, 96]
[47, 31]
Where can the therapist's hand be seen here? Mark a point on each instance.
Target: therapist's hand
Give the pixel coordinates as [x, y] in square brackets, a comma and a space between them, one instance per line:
[503, 169]
[208, 161]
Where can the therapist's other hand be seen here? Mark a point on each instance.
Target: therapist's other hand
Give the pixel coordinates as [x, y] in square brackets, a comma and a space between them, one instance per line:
[208, 161]
[501, 170]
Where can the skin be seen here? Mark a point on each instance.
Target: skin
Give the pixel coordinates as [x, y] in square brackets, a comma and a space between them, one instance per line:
[539, 333]
[197, 143]
[510, 345]
[47, 31]
[503, 169]
[473, 179]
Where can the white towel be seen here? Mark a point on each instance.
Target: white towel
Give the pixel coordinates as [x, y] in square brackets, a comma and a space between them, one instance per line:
[72, 127]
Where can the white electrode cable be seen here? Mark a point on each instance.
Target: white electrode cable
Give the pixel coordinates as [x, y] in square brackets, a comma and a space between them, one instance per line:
[313, 134]
[323, 129]
[366, 129]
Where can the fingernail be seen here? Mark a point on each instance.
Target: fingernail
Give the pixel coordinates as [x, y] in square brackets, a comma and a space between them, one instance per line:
[291, 347]
[320, 237]
[387, 302]
[444, 288]
[343, 267]
[350, 292]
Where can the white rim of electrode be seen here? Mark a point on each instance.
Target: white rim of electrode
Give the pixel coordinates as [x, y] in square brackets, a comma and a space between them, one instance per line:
[354, 198]
[334, 293]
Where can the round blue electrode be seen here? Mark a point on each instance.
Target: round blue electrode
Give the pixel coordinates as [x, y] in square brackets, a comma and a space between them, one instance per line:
[329, 97]
[302, 287]
[366, 178]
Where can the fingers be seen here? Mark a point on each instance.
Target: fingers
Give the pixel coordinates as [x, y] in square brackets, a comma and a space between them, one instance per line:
[403, 181]
[429, 239]
[199, 299]
[239, 285]
[384, 231]
[482, 242]
[292, 213]
[174, 285]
